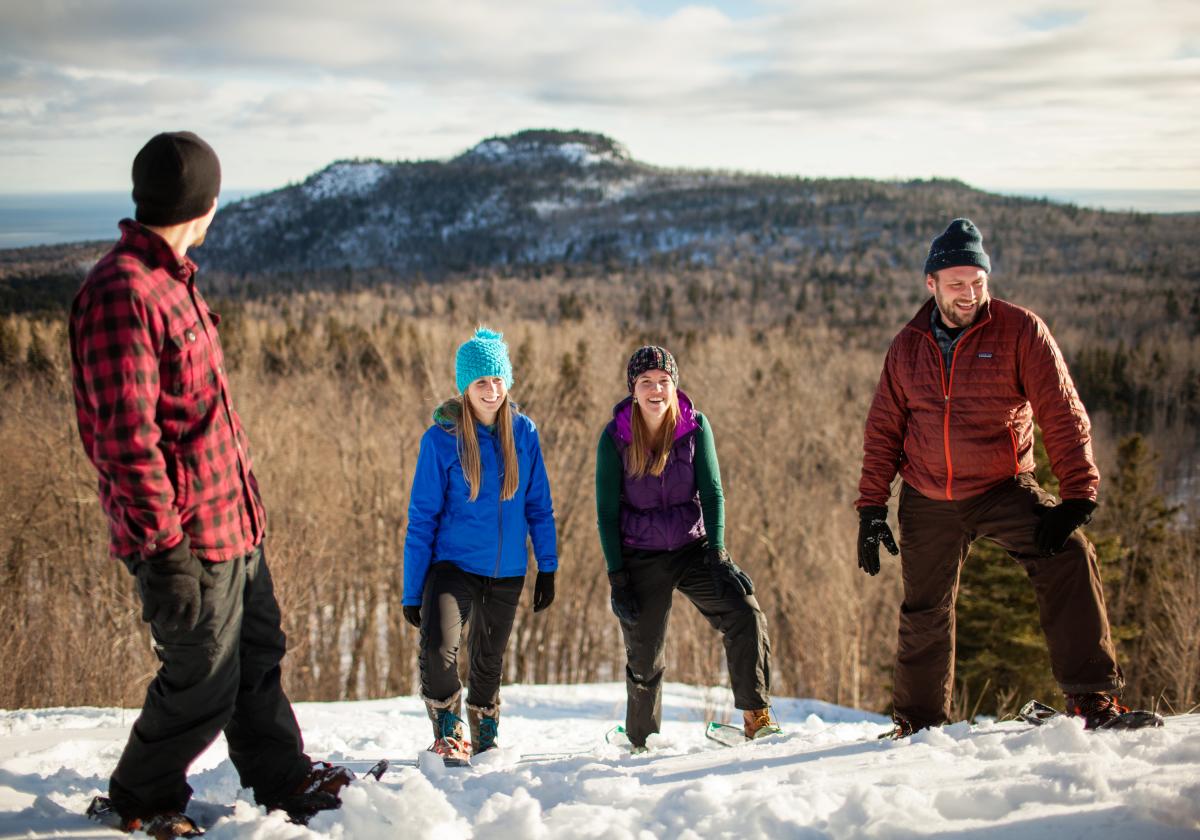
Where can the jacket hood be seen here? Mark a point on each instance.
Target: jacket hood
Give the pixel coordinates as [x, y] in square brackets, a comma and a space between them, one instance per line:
[623, 418]
[446, 415]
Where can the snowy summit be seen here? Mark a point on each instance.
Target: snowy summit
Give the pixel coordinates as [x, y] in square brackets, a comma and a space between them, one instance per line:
[580, 148]
[556, 776]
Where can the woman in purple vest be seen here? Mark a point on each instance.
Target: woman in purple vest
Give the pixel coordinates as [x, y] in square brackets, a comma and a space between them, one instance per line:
[661, 515]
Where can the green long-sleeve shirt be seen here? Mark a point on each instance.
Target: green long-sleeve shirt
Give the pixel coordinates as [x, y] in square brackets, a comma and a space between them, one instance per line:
[609, 474]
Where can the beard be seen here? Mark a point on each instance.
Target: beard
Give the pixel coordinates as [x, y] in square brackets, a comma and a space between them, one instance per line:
[952, 316]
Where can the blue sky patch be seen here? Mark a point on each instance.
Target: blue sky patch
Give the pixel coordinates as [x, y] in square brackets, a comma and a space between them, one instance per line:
[1052, 19]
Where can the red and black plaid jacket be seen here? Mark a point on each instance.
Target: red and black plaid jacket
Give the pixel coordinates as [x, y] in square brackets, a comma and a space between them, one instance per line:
[154, 408]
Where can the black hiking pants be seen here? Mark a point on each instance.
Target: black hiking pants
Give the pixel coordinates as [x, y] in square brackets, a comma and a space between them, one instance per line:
[655, 576]
[223, 675]
[935, 537]
[453, 598]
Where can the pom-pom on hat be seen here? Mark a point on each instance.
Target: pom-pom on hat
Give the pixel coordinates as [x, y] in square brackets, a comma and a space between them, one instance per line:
[483, 354]
[650, 357]
[959, 244]
[176, 176]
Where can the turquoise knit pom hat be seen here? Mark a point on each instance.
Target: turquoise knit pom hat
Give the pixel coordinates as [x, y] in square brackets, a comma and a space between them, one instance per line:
[483, 354]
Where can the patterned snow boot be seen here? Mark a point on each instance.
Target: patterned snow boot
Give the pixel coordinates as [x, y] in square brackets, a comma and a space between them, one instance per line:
[485, 726]
[448, 740]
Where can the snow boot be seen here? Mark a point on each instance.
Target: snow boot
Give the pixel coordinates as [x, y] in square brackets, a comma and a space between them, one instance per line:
[448, 740]
[757, 723]
[485, 726]
[165, 826]
[1096, 709]
[320, 790]
[902, 729]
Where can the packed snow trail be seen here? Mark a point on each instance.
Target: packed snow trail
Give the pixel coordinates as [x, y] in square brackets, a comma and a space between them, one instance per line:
[826, 776]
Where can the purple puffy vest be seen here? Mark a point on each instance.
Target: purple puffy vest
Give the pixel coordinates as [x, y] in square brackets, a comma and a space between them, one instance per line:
[660, 513]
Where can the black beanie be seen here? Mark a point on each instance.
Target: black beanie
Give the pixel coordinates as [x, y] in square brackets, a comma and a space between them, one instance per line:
[176, 176]
[960, 244]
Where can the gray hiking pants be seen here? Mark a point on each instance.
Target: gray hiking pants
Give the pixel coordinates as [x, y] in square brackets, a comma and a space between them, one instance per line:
[655, 576]
[451, 599]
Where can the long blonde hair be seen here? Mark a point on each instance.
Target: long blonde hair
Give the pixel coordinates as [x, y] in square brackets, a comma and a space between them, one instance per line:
[468, 446]
[649, 451]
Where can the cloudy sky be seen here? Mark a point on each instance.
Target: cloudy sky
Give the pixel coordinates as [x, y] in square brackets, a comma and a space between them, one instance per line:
[1003, 95]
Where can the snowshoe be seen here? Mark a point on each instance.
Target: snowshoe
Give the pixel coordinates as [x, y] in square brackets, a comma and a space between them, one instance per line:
[321, 790]
[1104, 714]
[617, 736]
[757, 723]
[165, 826]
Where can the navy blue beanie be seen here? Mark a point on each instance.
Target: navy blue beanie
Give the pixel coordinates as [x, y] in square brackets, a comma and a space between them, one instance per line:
[960, 244]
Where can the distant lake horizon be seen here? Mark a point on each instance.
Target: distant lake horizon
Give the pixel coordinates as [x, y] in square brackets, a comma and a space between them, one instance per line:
[30, 219]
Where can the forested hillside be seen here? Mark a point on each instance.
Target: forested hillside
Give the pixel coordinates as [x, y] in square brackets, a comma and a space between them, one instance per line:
[779, 297]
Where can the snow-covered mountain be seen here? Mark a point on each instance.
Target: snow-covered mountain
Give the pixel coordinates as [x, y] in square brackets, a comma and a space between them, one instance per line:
[826, 777]
[532, 198]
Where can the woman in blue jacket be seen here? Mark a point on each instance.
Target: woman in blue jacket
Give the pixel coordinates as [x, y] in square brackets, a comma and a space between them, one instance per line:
[480, 490]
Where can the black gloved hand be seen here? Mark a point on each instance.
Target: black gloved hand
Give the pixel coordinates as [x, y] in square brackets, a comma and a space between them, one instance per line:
[412, 614]
[624, 602]
[1059, 522]
[543, 591]
[726, 574]
[171, 584]
[873, 530]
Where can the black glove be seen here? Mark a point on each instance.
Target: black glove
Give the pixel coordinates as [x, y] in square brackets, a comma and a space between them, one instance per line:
[412, 614]
[873, 530]
[543, 591]
[726, 574]
[624, 602]
[171, 583]
[1059, 522]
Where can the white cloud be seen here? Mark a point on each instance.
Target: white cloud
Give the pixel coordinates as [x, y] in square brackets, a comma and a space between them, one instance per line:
[1083, 93]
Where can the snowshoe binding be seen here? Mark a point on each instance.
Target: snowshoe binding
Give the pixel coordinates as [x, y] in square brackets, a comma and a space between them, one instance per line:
[164, 826]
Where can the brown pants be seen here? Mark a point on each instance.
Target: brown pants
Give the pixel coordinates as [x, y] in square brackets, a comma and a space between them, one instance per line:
[934, 539]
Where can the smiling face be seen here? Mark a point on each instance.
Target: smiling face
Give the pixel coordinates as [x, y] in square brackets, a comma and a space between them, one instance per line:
[654, 393]
[486, 394]
[959, 292]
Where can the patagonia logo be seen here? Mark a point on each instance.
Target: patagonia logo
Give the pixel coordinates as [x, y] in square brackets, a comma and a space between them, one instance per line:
[985, 355]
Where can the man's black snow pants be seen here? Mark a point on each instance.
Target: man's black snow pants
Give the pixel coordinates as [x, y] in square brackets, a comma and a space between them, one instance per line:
[655, 576]
[224, 675]
[451, 597]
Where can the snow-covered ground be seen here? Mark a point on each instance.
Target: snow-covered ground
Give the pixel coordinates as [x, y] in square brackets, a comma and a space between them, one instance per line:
[827, 776]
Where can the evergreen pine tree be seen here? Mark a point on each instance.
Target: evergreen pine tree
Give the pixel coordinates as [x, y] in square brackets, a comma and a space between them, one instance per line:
[1001, 657]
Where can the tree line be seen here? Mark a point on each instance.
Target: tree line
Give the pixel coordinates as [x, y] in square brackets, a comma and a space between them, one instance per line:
[336, 387]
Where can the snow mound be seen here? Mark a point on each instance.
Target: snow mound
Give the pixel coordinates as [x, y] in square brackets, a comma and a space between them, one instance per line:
[555, 776]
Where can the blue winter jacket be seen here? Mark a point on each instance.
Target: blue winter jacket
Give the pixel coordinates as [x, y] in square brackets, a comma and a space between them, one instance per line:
[487, 536]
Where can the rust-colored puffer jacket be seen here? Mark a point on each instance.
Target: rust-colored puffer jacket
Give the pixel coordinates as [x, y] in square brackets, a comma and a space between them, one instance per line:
[954, 434]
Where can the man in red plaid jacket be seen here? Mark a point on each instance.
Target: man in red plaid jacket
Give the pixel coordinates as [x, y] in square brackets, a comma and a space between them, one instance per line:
[157, 420]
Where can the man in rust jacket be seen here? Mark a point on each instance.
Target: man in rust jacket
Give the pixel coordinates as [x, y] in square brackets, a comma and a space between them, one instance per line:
[157, 420]
[953, 415]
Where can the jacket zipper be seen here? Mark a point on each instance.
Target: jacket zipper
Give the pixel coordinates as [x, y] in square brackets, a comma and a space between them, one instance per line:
[947, 387]
[499, 505]
[1016, 455]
